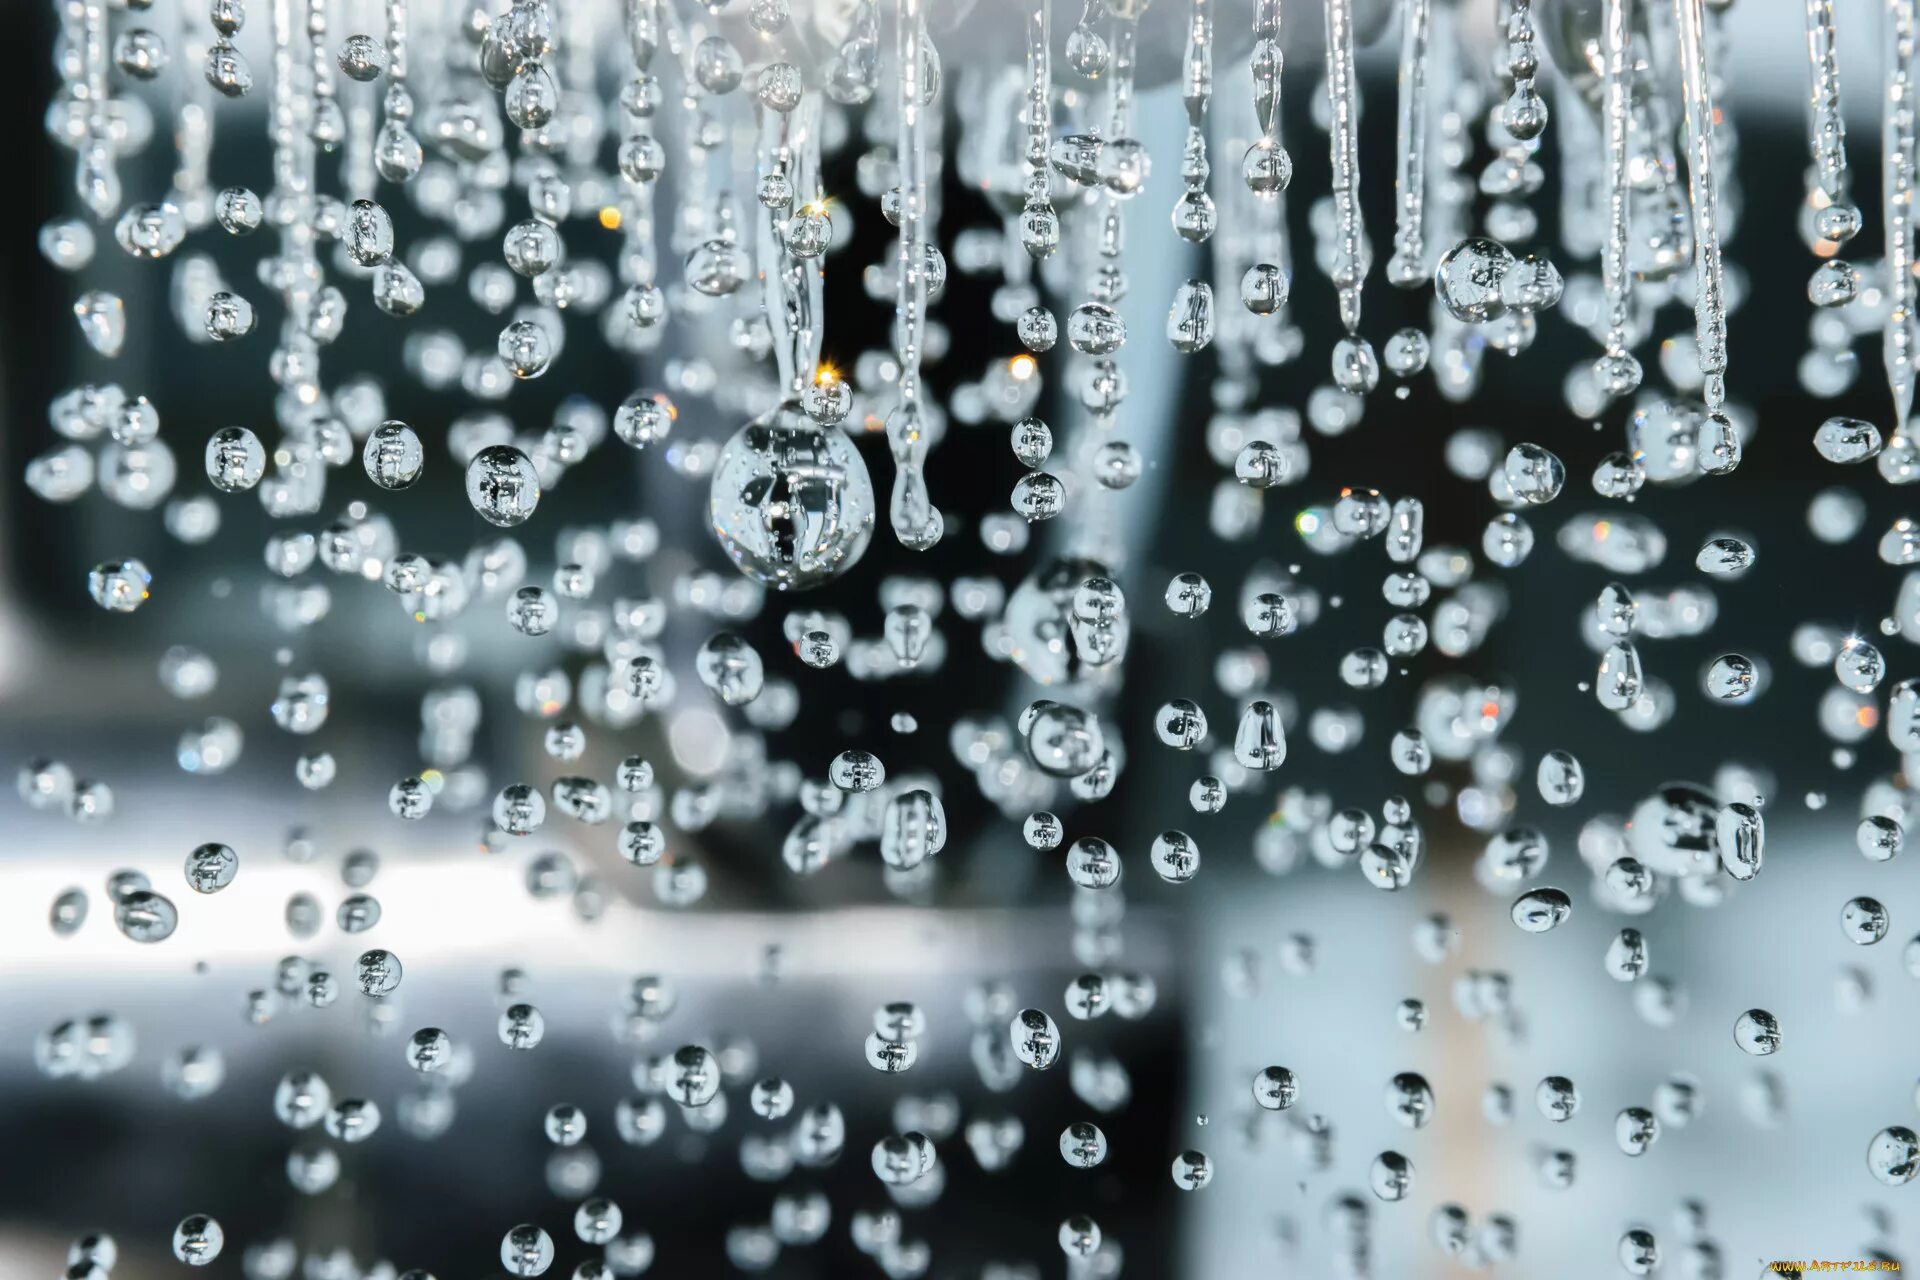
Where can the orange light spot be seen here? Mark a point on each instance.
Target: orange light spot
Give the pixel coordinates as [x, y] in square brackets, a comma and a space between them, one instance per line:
[610, 217]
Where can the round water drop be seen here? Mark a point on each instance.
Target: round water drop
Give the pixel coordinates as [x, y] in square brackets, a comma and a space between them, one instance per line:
[1095, 330]
[502, 485]
[229, 316]
[1757, 1032]
[393, 456]
[1859, 665]
[1879, 838]
[239, 211]
[1083, 1145]
[368, 233]
[526, 1251]
[236, 460]
[119, 586]
[1037, 329]
[525, 348]
[198, 1240]
[1560, 778]
[211, 868]
[1731, 677]
[1260, 741]
[1036, 1040]
[361, 58]
[1175, 856]
[791, 504]
[730, 668]
[644, 418]
[1407, 353]
[1391, 1176]
[1847, 440]
[1260, 465]
[1635, 1130]
[1468, 279]
[1540, 910]
[1724, 557]
[145, 916]
[1864, 921]
[1893, 1157]
[1535, 474]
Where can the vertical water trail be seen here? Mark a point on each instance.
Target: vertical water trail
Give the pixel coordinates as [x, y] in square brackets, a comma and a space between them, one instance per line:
[1826, 129]
[1407, 268]
[916, 521]
[1617, 371]
[640, 262]
[1709, 294]
[96, 177]
[1193, 209]
[1343, 100]
[1267, 168]
[792, 287]
[1040, 224]
[1190, 322]
[1897, 171]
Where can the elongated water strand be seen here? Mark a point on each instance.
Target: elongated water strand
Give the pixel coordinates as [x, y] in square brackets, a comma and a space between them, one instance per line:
[293, 162]
[96, 176]
[1524, 113]
[793, 288]
[1040, 224]
[1709, 299]
[916, 521]
[1267, 169]
[641, 160]
[397, 151]
[692, 223]
[1617, 372]
[325, 124]
[1408, 266]
[1190, 321]
[1897, 135]
[1193, 212]
[1343, 100]
[1826, 127]
[193, 123]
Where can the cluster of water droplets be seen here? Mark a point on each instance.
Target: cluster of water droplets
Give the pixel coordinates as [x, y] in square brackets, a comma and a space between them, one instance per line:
[722, 300]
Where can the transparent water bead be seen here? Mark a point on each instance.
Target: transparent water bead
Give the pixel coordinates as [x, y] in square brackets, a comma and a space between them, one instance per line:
[393, 456]
[1724, 557]
[644, 418]
[792, 504]
[502, 485]
[145, 916]
[1469, 277]
[1757, 1032]
[211, 868]
[151, 230]
[1847, 440]
[1731, 677]
[102, 318]
[229, 317]
[1893, 1156]
[1541, 910]
[119, 586]
[730, 668]
[1259, 741]
[198, 1239]
[1535, 475]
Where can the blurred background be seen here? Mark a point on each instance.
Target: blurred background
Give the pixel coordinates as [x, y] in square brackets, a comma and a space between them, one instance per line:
[1269, 956]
